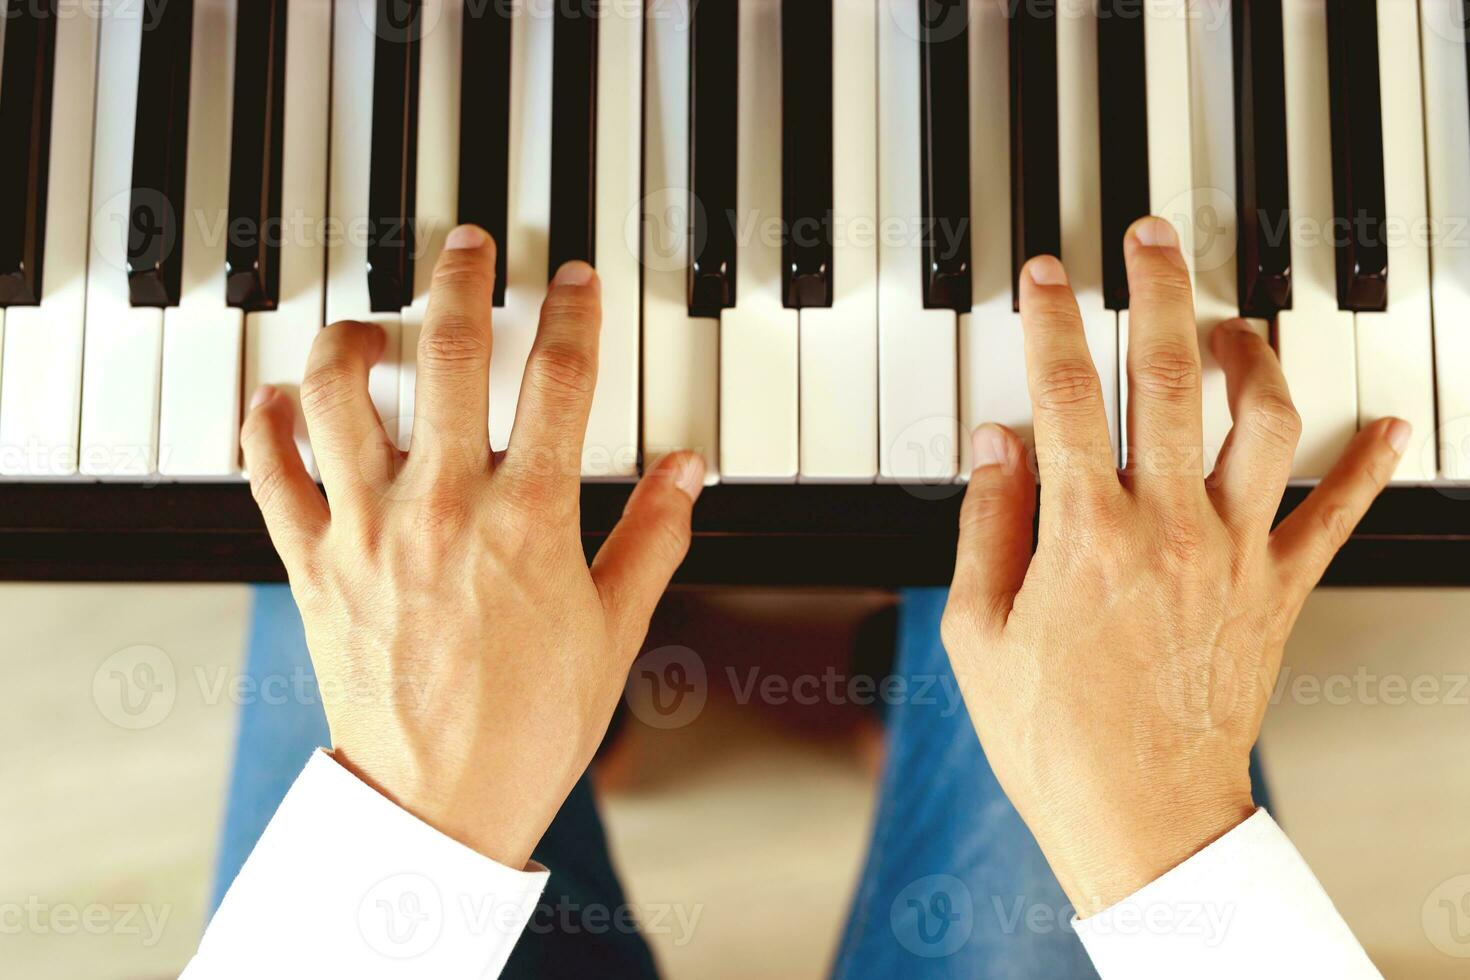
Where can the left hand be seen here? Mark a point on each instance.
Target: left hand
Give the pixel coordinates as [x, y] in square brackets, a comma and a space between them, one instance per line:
[469, 659]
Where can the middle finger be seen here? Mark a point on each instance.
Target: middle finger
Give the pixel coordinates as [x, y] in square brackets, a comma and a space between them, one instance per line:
[1165, 437]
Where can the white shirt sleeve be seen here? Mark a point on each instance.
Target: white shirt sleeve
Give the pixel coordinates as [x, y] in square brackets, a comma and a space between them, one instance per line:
[1245, 906]
[343, 883]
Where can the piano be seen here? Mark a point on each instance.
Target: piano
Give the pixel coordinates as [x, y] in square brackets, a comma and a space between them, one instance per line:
[807, 215]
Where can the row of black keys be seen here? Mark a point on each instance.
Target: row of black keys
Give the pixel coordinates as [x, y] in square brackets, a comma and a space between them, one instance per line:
[1263, 199]
[161, 139]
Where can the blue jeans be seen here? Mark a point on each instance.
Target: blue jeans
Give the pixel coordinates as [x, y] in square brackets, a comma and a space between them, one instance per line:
[953, 884]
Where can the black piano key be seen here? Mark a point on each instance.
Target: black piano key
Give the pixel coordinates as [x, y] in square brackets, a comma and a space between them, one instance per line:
[574, 135]
[1359, 202]
[160, 147]
[25, 147]
[806, 153]
[393, 168]
[484, 127]
[714, 98]
[1122, 90]
[1036, 207]
[1264, 206]
[253, 251]
[944, 53]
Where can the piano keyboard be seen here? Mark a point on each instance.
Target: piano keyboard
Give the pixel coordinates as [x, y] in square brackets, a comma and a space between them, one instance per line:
[808, 215]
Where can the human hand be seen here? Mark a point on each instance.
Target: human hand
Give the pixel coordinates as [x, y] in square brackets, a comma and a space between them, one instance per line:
[469, 659]
[1118, 677]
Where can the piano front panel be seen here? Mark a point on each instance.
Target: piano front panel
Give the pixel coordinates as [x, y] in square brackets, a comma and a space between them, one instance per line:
[807, 225]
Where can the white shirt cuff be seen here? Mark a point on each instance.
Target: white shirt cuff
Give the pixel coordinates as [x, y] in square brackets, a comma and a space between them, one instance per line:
[344, 883]
[1245, 906]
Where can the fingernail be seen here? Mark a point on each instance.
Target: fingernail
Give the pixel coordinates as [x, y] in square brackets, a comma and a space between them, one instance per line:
[990, 445]
[574, 273]
[690, 476]
[1155, 233]
[1398, 435]
[1047, 270]
[465, 236]
[262, 395]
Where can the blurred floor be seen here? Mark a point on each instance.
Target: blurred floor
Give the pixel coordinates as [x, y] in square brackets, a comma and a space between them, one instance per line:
[752, 820]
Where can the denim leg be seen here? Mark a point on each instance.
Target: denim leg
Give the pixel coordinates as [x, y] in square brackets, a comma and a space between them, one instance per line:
[282, 723]
[954, 885]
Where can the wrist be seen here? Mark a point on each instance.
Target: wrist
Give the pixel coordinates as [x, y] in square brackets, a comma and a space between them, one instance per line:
[1116, 855]
[498, 829]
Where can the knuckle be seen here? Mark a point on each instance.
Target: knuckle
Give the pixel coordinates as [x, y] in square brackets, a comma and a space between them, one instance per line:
[327, 385]
[571, 307]
[267, 484]
[1068, 384]
[984, 502]
[1166, 370]
[454, 339]
[1161, 281]
[442, 515]
[460, 271]
[668, 540]
[255, 431]
[1274, 419]
[536, 500]
[566, 367]
[1336, 522]
[1181, 542]
[1381, 468]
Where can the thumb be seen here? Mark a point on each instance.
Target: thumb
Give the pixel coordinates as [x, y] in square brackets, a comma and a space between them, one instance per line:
[633, 567]
[995, 527]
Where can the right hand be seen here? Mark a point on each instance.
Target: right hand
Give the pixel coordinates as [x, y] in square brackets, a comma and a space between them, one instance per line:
[1118, 677]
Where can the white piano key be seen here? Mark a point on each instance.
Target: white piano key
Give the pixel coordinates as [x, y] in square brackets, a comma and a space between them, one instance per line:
[681, 354]
[436, 197]
[759, 336]
[278, 342]
[992, 350]
[199, 406]
[353, 39]
[1395, 348]
[123, 347]
[1314, 338]
[1213, 212]
[1447, 132]
[1081, 192]
[528, 216]
[918, 401]
[839, 346]
[41, 390]
[610, 450]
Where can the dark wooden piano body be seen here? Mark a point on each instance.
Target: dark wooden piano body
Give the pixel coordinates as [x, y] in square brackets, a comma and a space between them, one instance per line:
[804, 535]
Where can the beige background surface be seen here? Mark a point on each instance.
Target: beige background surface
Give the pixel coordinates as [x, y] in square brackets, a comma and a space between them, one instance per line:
[761, 829]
